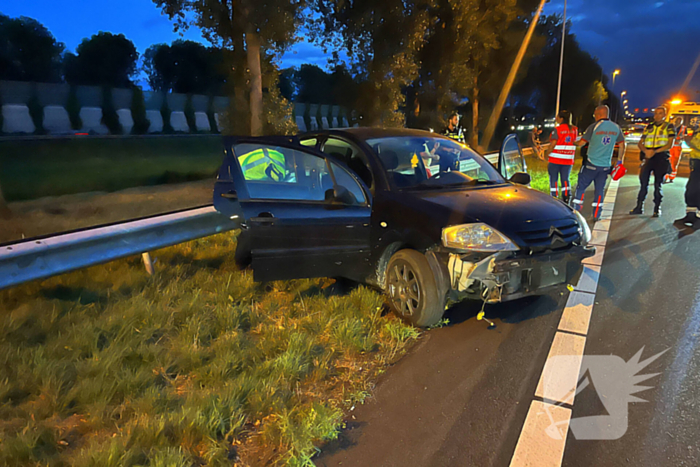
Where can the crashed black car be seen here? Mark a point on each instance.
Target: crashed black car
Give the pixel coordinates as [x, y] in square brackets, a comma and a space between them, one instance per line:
[418, 215]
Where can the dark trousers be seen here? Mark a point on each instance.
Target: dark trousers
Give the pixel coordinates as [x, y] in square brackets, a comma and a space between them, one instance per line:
[659, 166]
[559, 178]
[692, 189]
[592, 174]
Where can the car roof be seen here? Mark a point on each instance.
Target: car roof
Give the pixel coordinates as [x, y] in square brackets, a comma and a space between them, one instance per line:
[365, 133]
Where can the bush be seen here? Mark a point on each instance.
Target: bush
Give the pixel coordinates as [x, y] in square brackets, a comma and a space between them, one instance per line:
[109, 113]
[165, 113]
[138, 112]
[189, 114]
[73, 109]
[36, 111]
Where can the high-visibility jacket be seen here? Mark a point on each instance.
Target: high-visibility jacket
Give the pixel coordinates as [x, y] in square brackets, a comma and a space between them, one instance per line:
[680, 134]
[657, 136]
[456, 134]
[564, 147]
[694, 153]
[263, 164]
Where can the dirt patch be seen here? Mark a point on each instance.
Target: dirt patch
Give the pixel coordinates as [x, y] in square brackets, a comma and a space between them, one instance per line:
[51, 215]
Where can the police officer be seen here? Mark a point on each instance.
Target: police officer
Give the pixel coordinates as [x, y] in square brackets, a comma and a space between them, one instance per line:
[692, 189]
[453, 130]
[561, 152]
[676, 150]
[656, 141]
[601, 137]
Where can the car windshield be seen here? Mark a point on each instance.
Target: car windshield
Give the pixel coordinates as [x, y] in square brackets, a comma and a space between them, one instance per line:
[425, 161]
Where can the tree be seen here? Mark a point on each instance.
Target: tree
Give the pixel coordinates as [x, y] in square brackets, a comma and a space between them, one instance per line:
[185, 67]
[287, 84]
[383, 39]
[247, 28]
[28, 51]
[105, 59]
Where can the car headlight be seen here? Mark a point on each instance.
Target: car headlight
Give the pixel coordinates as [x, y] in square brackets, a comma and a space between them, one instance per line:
[476, 237]
[583, 229]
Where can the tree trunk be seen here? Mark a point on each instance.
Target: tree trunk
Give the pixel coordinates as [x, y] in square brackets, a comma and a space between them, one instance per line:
[475, 114]
[253, 47]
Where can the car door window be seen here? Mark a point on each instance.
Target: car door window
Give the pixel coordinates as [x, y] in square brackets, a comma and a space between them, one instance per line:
[281, 173]
[511, 157]
[351, 155]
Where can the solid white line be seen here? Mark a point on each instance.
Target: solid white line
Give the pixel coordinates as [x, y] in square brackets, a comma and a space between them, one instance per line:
[558, 382]
[542, 441]
[535, 447]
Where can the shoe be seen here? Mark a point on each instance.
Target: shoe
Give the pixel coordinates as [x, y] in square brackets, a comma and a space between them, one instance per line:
[657, 213]
[638, 210]
[689, 218]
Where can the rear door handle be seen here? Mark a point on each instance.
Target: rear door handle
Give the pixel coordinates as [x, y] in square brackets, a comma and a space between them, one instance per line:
[230, 195]
[264, 218]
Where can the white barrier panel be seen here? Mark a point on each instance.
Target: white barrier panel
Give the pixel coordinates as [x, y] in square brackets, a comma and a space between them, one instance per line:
[201, 120]
[301, 124]
[179, 122]
[217, 118]
[16, 119]
[126, 120]
[156, 120]
[92, 120]
[56, 120]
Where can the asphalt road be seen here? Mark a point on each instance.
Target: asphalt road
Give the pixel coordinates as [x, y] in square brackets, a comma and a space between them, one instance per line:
[461, 396]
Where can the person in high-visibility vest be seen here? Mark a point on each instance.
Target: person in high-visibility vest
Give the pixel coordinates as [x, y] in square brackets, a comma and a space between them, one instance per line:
[677, 149]
[263, 164]
[453, 130]
[656, 140]
[692, 189]
[561, 152]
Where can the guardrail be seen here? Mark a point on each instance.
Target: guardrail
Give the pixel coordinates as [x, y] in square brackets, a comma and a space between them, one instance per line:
[46, 257]
[42, 258]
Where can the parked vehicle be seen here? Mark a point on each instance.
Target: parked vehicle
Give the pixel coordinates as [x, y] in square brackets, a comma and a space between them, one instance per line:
[418, 215]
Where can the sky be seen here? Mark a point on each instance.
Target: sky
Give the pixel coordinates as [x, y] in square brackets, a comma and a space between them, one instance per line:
[653, 43]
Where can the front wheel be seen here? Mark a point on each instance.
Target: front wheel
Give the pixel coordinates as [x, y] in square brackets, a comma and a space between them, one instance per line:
[412, 290]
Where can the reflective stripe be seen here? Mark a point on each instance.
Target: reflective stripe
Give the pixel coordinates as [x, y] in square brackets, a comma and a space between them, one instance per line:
[596, 204]
[578, 201]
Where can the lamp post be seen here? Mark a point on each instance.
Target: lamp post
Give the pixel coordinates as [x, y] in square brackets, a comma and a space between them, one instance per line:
[561, 61]
[615, 110]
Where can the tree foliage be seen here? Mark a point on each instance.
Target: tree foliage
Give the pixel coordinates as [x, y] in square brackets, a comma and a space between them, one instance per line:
[28, 51]
[252, 30]
[105, 59]
[186, 67]
[138, 112]
[382, 39]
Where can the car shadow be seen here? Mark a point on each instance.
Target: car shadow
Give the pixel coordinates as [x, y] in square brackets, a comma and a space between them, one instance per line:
[512, 312]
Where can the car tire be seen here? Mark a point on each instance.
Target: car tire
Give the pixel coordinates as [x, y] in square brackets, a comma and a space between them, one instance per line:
[412, 291]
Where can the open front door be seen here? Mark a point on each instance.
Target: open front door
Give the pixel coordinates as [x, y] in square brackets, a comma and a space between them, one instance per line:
[305, 214]
[511, 159]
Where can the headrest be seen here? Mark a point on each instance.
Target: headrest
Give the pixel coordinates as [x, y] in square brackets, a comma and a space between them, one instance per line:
[390, 159]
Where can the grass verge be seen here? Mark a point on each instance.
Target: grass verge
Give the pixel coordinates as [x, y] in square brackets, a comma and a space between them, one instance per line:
[31, 169]
[540, 177]
[197, 365]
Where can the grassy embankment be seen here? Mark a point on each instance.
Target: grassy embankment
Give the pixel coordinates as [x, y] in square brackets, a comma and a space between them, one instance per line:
[197, 365]
[31, 169]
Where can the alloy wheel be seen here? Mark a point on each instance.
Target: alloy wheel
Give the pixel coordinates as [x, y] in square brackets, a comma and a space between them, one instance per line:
[404, 288]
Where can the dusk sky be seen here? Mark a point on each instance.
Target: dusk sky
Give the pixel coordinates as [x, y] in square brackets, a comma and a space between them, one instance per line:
[653, 43]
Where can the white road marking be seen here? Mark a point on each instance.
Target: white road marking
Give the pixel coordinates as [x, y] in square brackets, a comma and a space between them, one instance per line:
[577, 314]
[560, 385]
[537, 445]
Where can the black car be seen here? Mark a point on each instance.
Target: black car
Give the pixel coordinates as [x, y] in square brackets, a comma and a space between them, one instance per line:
[416, 214]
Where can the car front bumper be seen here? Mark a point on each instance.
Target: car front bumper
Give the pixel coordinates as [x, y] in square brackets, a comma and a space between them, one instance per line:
[504, 276]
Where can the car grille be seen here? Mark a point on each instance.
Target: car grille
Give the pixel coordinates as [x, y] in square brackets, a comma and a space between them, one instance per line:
[550, 234]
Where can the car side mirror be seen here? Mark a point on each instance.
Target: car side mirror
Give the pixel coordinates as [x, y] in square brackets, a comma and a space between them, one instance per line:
[521, 178]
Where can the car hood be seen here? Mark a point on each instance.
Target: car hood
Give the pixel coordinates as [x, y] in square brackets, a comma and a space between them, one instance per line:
[526, 216]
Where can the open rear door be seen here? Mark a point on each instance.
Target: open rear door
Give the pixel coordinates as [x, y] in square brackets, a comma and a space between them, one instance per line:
[511, 159]
[305, 213]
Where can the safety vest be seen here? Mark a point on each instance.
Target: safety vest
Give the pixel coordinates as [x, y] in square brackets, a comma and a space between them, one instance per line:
[263, 164]
[564, 148]
[656, 135]
[694, 153]
[455, 134]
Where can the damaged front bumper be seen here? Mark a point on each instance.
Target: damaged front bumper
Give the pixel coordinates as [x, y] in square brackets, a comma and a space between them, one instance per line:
[505, 276]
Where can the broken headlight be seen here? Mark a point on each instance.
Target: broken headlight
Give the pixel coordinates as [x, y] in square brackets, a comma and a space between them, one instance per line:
[476, 237]
[583, 229]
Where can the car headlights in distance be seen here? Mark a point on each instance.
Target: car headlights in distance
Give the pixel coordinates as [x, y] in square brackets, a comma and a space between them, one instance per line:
[476, 237]
[583, 229]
